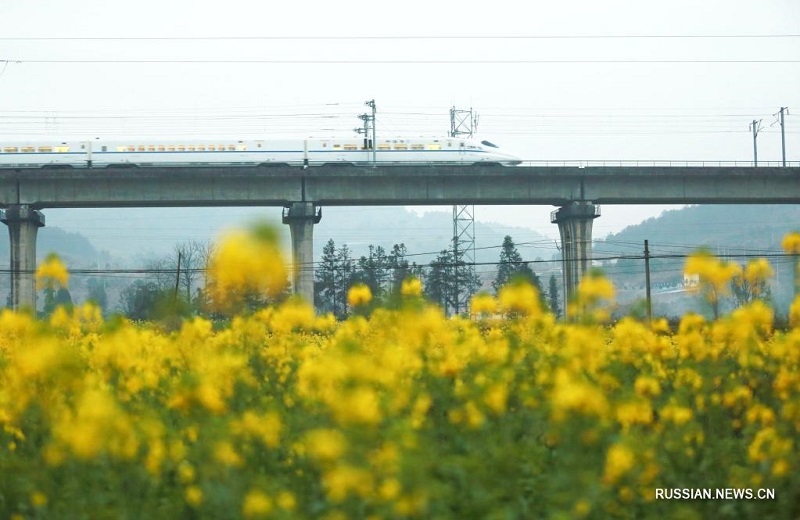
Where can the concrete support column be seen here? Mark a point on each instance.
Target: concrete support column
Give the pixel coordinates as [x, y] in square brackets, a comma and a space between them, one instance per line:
[575, 226]
[301, 217]
[23, 225]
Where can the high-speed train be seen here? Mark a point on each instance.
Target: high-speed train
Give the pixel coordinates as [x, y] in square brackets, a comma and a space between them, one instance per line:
[293, 152]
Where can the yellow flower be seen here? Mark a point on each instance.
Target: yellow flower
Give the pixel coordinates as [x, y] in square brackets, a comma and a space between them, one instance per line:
[594, 298]
[791, 243]
[225, 454]
[483, 303]
[193, 496]
[794, 313]
[647, 386]
[286, 501]
[619, 460]
[256, 504]
[519, 297]
[711, 271]
[359, 295]
[246, 263]
[411, 287]
[51, 273]
[325, 444]
[38, 499]
[496, 398]
[344, 479]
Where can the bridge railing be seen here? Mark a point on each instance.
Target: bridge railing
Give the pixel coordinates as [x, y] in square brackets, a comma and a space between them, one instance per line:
[656, 163]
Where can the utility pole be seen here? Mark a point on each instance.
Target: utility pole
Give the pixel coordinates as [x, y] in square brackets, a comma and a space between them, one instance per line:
[177, 279]
[462, 123]
[647, 281]
[369, 128]
[756, 126]
[783, 134]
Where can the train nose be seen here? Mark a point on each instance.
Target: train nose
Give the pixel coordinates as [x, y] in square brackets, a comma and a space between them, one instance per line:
[511, 160]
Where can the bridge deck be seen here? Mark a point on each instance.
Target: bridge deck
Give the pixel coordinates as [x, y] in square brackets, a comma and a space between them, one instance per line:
[396, 185]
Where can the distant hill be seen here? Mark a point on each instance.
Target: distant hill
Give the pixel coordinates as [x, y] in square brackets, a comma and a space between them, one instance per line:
[732, 231]
[133, 235]
[73, 248]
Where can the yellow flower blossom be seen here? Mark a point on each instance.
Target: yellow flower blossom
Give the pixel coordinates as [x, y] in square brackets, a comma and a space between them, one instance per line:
[51, 273]
[791, 243]
[358, 295]
[483, 303]
[246, 263]
[193, 496]
[411, 287]
[256, 505]
[325, 444]
[519, 298]
[619, 460]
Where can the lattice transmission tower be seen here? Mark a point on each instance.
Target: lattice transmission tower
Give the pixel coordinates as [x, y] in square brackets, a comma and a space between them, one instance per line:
[463, 123]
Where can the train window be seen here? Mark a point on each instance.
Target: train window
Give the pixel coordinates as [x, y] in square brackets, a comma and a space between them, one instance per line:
[221, 148]
[171, 148]
[434, 147]
[211, 148]
[201, 148]
[162, 148]
[241, 147]
[231, 147]
[417, 147]
[384, 147]
[105, 148]
[140, 148]
[324, 145]
[400, 147]
[181, 148]
[351, 147]
[490, 145]
[131, 148]
[190, 147]
[28, 149]
[10, 149]
[62, 149]
[45, 149]
[461, 145]
[151, 148]
[119, 148]
[336, 146]
[259, 145]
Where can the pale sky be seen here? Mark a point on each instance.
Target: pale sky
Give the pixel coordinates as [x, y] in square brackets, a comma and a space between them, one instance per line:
[551, 81]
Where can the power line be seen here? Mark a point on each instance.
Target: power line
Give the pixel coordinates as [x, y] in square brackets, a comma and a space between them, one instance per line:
[400, 37]
[210, 61]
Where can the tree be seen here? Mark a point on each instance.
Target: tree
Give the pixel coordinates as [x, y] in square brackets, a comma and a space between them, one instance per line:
[56, 297]
[511, 267]
[752, 283]
[399, 267]
[97, 292]
[139, 300]
[346, 278]
[325, 279]
[194, 257]
[553, 300]
[439, 280]
[373, 271]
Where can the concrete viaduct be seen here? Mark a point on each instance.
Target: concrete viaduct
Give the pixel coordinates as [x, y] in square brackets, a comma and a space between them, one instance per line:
[577, 191]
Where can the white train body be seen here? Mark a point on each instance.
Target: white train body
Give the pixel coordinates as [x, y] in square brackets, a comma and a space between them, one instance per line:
[293, 152]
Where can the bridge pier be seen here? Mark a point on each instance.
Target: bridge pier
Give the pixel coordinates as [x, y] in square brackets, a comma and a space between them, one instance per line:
[23, 225]
[301, 217]
[575, 227]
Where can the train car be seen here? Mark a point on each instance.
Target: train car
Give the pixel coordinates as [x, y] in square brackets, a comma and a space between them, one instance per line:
[293, 152]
